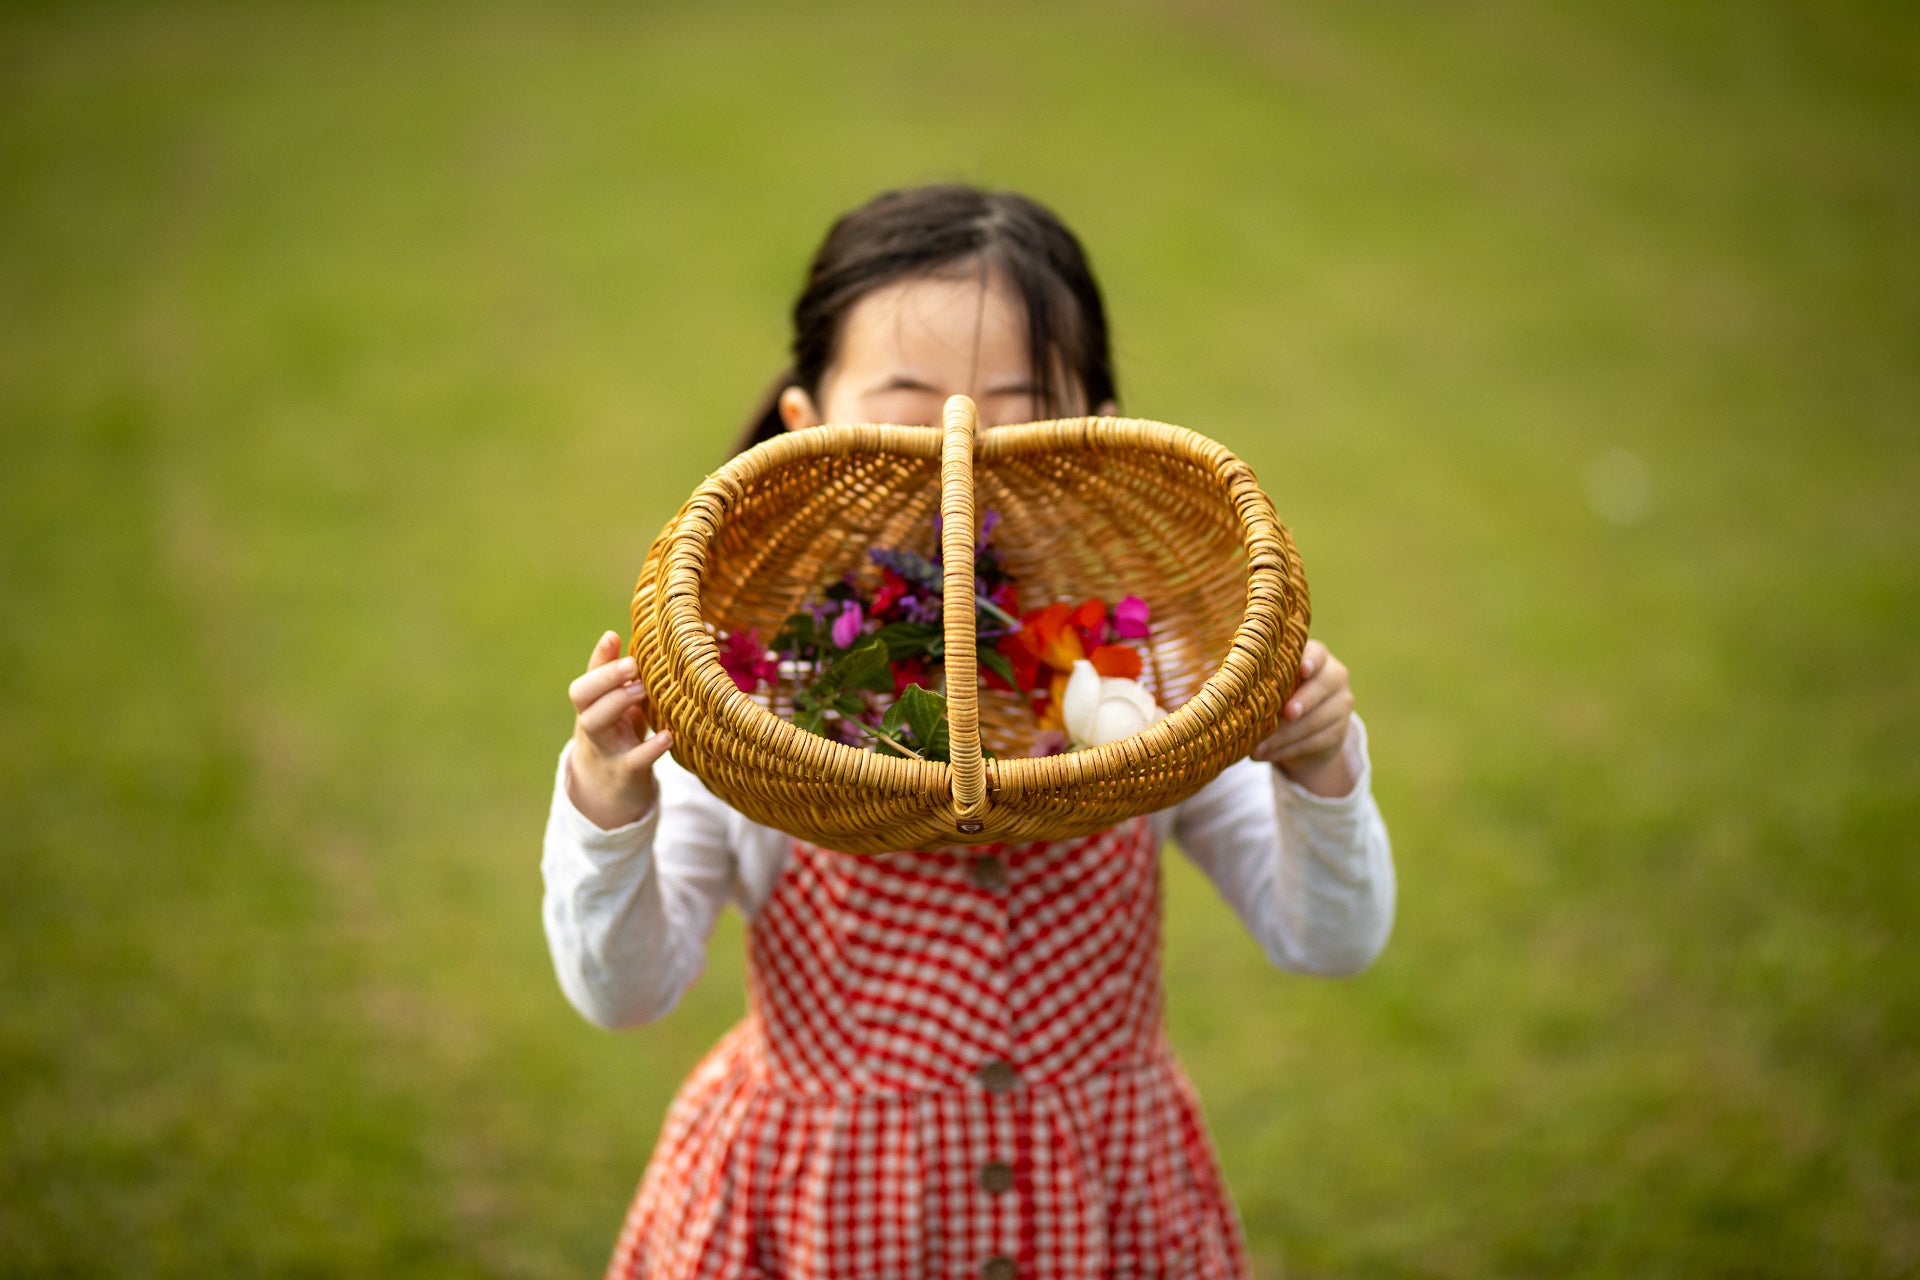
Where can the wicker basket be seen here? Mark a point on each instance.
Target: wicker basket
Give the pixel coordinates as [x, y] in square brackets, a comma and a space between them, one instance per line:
[1092, 506]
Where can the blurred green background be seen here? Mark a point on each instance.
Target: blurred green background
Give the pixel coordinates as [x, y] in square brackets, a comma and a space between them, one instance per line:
[350, 355]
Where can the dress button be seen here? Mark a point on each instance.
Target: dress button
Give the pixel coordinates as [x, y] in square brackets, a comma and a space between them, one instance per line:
[998, 1077]
[998, 1267]
[988, 872]
[996, 1176]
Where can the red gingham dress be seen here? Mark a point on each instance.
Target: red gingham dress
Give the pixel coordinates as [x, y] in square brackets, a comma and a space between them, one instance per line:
[953, 1064]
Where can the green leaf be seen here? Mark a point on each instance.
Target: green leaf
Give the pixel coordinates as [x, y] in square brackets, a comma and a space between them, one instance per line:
[797, 634]
[849, 704]
[907, 639]
[926, 713]
[859, 668]
[812, 722]
[896, 716]
[995, 661]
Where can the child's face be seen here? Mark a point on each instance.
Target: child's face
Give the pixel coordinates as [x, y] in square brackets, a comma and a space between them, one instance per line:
[907, 346]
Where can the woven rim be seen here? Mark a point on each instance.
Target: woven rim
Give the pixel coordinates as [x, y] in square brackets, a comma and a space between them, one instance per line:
[879, 802]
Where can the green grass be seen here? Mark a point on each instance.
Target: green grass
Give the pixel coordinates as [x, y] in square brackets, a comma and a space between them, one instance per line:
[352, 355]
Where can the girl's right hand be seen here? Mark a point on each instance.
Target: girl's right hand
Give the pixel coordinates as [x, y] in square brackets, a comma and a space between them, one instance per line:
[610, 769]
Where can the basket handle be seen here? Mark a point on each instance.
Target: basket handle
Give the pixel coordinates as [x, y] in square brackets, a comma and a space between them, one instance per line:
[962, 422]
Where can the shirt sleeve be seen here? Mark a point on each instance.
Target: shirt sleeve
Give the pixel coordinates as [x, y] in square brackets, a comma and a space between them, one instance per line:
[1310, 876]
[628, 912]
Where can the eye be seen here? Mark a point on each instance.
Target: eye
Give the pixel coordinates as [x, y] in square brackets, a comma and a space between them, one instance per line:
[910, 406]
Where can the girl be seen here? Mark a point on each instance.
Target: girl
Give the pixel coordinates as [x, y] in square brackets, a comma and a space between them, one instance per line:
[953, 1062]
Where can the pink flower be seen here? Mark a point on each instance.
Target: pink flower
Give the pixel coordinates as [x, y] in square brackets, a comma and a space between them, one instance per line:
[846, 627]
[1130, 619]
[746, 662]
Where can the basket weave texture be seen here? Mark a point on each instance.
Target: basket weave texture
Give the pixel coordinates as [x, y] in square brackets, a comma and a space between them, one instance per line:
[1102, 507]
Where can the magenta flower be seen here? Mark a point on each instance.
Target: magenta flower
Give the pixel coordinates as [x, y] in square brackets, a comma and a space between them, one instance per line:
[746, 662]
[1130, 619]
[846, 627]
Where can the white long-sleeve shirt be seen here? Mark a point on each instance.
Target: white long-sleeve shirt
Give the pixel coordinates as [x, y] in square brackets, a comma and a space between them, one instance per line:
[629, 911]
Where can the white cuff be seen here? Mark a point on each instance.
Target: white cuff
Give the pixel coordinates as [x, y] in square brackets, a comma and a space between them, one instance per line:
[601, 845]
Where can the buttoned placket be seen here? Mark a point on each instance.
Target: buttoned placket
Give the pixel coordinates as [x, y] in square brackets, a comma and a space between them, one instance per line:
[988, 871]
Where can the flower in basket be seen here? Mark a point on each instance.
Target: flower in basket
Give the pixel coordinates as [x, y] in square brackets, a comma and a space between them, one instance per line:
[745, 660]
[1099, 709]
[849, 626]
[1052, 639]
[866, 670]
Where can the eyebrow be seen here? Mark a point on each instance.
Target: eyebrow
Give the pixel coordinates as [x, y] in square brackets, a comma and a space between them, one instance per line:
[910, 382]
[900, 382]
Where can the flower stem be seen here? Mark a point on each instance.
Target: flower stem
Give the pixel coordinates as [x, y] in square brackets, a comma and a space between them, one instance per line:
[997, 612]
[887, 738]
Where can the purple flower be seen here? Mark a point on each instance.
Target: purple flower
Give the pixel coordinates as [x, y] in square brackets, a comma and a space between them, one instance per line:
[1130, 619]
[987, 521]
[846, 627]
[918, 570]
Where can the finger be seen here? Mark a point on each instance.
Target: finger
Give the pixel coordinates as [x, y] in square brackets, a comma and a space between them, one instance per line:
[639, 721]
[1322, 744]
[1329, 713]
[590, 688]
[647, 753]
[1278, 746]
[1329, 717]
[1277, 743]
[613, 709]
[605, 649]
[1300, 740]
[1307, 695]
[1312, 658]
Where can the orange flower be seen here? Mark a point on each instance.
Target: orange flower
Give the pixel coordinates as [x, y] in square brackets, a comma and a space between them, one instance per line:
[1050, 718]
[1065, 650]
[1040, 627]
[1091, 619]
[1048, 634]
[1116, 660]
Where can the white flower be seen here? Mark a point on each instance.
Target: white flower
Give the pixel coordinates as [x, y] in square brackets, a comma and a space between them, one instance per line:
[1100, 709]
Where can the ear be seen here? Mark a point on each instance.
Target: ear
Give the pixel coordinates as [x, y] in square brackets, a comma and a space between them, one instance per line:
[797, 409]
[1106, 409]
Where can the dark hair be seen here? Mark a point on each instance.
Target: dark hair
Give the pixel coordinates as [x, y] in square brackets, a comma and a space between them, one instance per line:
[935, 229]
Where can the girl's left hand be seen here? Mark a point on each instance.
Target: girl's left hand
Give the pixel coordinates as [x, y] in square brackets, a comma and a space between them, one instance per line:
[1309, 746]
